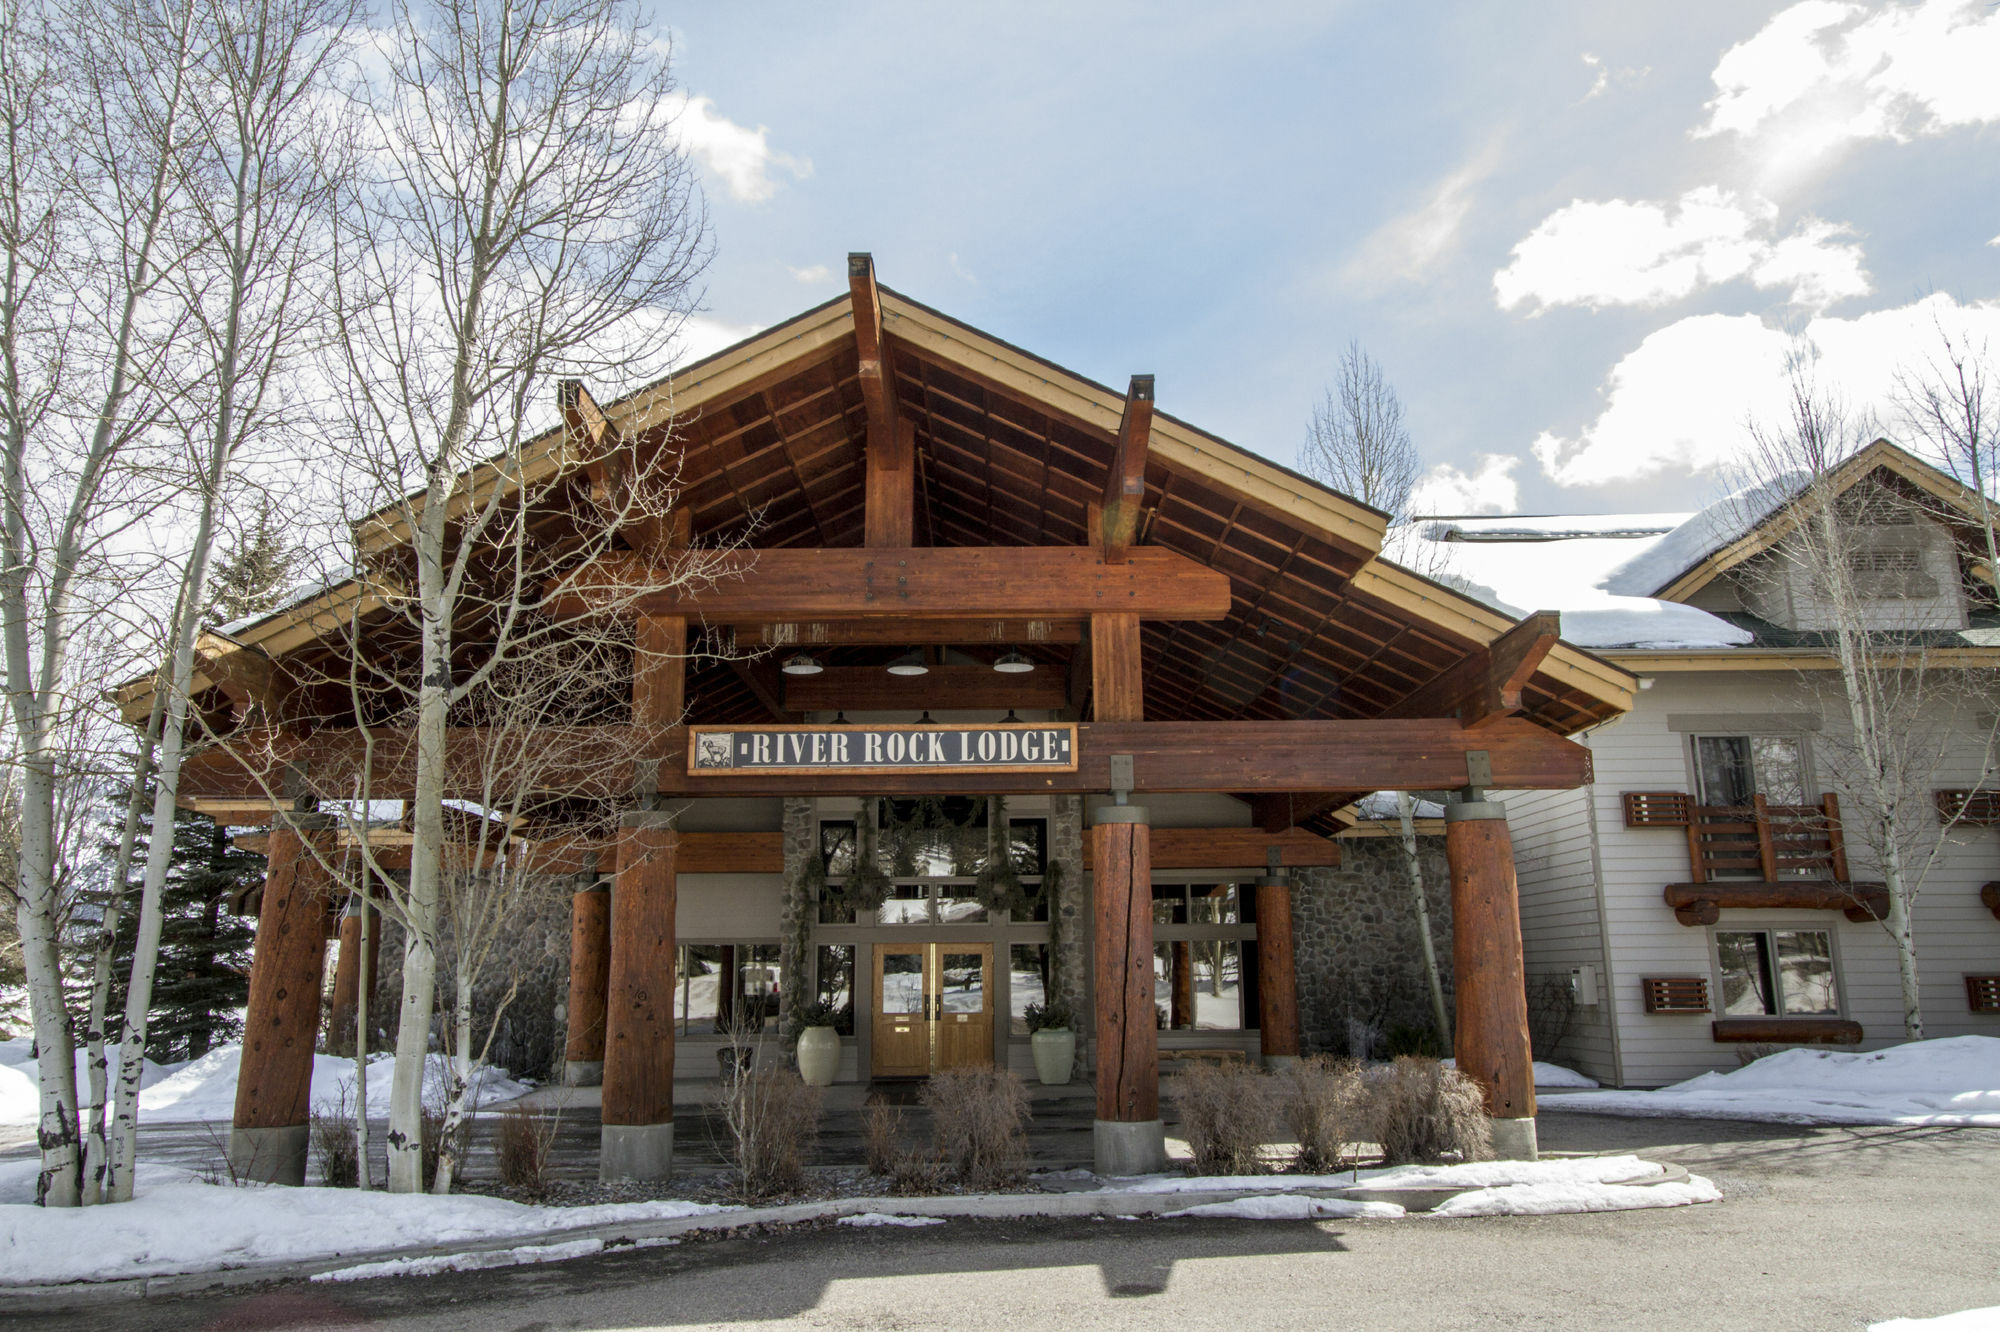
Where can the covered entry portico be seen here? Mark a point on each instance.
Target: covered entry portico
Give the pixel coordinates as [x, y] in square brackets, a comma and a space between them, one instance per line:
[1220, 654]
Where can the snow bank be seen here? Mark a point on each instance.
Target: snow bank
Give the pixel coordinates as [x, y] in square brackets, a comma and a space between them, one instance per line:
[465, 1262]
[1560, 1198]
[178, 1224]
[1508, 1174]
[1971, 1320]
[1954, 1082]
[206, 1089]
[20, 1093]
[1548, 1075]
[1292, 1207]
[888, 1219]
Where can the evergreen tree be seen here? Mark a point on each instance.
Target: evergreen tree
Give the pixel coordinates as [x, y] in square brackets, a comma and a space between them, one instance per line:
[203, 975]
[257, 570]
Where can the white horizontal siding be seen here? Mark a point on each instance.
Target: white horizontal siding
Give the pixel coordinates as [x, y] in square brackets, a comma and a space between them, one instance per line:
[1560, 924]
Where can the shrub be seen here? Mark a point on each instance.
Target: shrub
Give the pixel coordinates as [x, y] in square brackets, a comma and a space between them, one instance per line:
[1324, 1101]
[1422, 1111]
[881, 1128]
[979, 1122]
[1226, 1115]
[1052, 1016]
[773, 1120]
[1407, 1038]
[522, 1150]
[334, 1145]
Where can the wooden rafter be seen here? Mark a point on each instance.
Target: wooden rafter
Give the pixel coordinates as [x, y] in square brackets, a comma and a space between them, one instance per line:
[891, 482]
[1486, 684]
[878, 633]
[1125, 484]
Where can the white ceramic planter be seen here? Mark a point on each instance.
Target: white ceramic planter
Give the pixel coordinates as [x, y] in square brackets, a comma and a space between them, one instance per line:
[819, 1055]
[1055, 1055]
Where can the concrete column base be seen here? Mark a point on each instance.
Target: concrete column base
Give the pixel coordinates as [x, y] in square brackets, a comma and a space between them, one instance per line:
[269, 1155]
[1121, 1148]
[643, 1152]
[1514, 1139]
[1276, 1062]
[583, 1073]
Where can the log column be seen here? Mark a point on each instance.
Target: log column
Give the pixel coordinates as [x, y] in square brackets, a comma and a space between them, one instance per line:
[1128, 1136]
[638, 1133]
[342, 1035]
[267, 1139]
[589, 979]
[1277, 983]
[1492, 1042]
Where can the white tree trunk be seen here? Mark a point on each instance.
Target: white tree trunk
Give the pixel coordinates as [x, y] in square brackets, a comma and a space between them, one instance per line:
[60, 1182]
[1440, 1014]
[458, 1107]
[361, 998]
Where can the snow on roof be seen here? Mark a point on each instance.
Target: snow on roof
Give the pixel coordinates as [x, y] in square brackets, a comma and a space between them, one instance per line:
[296, 596]
[1564, 563]
[1702, 534]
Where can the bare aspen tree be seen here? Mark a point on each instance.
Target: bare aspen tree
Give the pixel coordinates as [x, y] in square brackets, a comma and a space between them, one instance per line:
[1357, 443]
[1951, 411]
[258, 163]
[1900, 717]
[530, 215]
[89, 234]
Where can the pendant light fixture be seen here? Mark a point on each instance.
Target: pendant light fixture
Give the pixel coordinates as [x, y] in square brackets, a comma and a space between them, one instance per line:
[801, 663]
[926, 720]
[910, 663]
[840, 719]
[1010, 719]
[1013, 663]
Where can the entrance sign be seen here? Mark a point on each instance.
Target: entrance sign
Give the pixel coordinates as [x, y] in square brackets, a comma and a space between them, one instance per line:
[1013, 747]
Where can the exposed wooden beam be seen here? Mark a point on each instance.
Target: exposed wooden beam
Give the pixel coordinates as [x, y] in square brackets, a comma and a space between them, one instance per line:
[701, 853]
[1117, 688]
[1486, 684]
[1249, 757]
[1275, 813]
[872, 689]
[760, 675]
[890, 494]
[1125, 484]
[1001, 582]
[659, 676]
[881, 633]
[617, 480]
[244, 675]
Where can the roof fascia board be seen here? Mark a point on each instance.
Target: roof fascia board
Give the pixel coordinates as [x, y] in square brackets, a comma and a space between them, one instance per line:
[1739, 659]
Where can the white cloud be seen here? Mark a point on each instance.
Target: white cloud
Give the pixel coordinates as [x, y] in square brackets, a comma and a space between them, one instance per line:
[1682, 400]
[742, 158]
[1637, 253]
[815, 274]
[1408, 246]
[1604, 74]
[1489, 488]
[1822, 75]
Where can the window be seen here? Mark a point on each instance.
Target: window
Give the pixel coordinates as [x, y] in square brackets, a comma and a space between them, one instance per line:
[1731, 769]
[931, 869]
[1776, 973]
[721, 985]
[1204, 960]
[1031, 981]
[836, 984]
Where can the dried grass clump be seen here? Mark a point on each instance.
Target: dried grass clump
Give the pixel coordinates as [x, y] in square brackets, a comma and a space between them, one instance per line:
[1226, 1115]
[881, 1133]
[522, 1150]
[979, 1122]
[1324, 1102]
[1423, 1111]
[334, 1145]
[773, 1120]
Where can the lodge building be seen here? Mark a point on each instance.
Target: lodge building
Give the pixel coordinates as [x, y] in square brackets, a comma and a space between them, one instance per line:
[1014, 689]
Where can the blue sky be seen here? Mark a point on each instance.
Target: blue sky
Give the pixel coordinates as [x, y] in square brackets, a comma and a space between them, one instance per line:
[1578, 237]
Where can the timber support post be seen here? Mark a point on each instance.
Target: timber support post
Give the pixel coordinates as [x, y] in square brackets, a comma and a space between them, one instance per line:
[637, 1140]
[589, 982]
[1128, 1137]
[267, 1137]
[343, 1035]
[1488, 972]
[1277, 981]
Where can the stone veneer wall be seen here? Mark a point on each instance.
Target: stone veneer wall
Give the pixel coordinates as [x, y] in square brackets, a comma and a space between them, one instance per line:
[1360, 963]
[795, 912]
[1069, 918]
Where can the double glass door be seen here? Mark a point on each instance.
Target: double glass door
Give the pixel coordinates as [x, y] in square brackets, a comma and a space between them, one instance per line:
[933, 1007]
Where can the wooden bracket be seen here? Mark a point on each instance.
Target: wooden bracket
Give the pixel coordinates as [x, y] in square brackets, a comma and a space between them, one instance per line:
[1117, 524]
[1486, 684]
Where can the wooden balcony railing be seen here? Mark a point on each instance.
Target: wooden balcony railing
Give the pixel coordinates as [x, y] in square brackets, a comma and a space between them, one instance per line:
[1757, 855]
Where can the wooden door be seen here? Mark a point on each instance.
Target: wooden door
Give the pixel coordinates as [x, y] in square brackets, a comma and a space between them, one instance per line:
[902, 1036]
[962, 1004]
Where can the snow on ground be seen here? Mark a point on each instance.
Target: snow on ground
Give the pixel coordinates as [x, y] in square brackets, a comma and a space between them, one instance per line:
[1971, 1320]
[1292, 1207]
[206, 1089]
[1548, 1075]
[1554, 1199]
[20, 1095]
[179, 1224]
[465, 1262]
[888, 1219]
[1953, 1081]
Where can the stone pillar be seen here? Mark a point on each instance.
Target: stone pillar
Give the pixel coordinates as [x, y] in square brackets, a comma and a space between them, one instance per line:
[638, 1132]
[1491, 979]
[267, 1139]
[1128, 1136]
[589, 977]
[1277, 983]
[348, 983]
[1069, 917]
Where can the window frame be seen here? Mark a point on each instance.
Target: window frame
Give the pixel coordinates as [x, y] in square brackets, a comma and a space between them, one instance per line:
[1771, 928]
[1809, 788]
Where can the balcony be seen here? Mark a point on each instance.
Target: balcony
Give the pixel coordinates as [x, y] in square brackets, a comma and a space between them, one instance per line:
[1757, 855]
